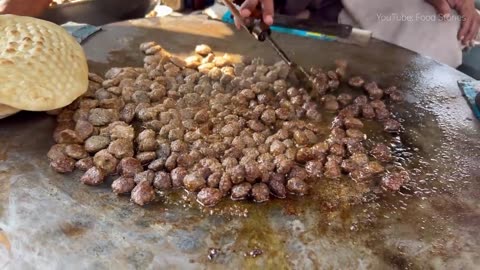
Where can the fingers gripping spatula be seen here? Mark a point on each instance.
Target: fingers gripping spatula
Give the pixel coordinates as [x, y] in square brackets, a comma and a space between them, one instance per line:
[262, 32]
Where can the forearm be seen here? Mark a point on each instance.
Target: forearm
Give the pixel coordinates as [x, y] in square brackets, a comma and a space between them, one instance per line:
[31, 8]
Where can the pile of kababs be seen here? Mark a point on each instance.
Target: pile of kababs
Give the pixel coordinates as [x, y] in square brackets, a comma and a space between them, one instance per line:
[221, 129]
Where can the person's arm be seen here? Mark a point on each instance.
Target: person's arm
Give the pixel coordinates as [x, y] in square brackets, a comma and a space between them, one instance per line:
[30, 8]
[470, 24]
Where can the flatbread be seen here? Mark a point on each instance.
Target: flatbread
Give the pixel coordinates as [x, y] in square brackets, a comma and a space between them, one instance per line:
[42, 67]
[6, 111]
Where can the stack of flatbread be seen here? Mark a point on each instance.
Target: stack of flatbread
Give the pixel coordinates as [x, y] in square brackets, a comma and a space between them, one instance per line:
[42, 67]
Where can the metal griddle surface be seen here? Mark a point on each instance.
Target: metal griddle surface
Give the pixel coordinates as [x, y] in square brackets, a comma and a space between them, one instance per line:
[51, 221]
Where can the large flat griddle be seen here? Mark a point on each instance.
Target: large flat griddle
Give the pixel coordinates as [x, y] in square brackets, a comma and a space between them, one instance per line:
[52, 221]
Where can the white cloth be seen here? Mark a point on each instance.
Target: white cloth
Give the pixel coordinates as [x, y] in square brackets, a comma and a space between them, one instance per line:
[412, 24]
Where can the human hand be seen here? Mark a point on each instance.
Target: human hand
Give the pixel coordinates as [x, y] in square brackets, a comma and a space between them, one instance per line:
[470, 20]
[248, 8]
[24, 7]
[470, 24]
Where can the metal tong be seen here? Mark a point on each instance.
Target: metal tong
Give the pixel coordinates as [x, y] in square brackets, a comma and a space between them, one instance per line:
[261, 32]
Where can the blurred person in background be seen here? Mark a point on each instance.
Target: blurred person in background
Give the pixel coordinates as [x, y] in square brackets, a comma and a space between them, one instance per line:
[440, 29]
